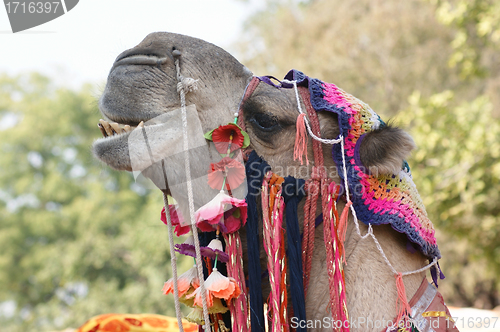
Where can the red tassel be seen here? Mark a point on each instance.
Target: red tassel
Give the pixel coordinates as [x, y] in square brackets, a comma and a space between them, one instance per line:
[402, 305]
[300, 140]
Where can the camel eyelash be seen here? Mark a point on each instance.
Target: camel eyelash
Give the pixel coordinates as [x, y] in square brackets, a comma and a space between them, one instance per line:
[265, 122]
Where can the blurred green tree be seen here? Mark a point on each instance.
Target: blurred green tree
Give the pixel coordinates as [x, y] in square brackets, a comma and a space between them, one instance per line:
[378, 50]
[457, 167]
[476, 43]
[477, 38]
[77, 239]
[458, 159]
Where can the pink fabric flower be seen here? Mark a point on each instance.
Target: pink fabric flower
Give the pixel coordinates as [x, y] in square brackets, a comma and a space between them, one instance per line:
[211, 215]
[216, 286]
[176, 219]
[185, 282]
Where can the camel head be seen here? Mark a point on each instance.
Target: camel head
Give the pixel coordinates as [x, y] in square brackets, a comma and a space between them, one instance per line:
[142, 91]
[142, 86]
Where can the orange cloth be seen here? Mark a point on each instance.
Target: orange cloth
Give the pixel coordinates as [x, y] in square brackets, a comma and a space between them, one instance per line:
[135, 323]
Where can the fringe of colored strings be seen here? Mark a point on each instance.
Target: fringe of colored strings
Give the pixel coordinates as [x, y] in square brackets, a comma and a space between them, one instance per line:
[238, 307]
[334, 236]
[274, 245]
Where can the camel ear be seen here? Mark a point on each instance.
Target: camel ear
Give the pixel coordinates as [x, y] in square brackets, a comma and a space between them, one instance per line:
[382, 151]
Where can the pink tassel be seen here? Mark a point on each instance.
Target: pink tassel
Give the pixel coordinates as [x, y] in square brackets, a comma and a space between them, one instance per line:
[402, 305]
[333, 251]
[272, 223]
[300, 140]
[238, 306]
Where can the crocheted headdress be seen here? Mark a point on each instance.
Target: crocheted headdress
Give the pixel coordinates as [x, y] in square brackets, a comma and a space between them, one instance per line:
[384, 199]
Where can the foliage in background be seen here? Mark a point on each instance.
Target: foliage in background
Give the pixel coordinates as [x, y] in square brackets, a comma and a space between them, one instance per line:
[477, 39]
[457, 169]
[77, 239]
[476, 43]
[378, 50]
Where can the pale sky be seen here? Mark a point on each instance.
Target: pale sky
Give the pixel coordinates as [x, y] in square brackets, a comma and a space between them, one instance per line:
[81, 45]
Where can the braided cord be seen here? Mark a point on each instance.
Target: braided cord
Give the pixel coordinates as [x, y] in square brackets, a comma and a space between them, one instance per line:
[173, 263]
[187, 165]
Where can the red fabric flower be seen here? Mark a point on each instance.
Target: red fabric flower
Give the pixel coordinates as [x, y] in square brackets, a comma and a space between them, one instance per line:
[232, 169]
[227, 137]
[234, 219]
[176, 221]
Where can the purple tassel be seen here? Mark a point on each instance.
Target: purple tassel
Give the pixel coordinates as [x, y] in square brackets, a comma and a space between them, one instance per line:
[441, 274]
[434, 275]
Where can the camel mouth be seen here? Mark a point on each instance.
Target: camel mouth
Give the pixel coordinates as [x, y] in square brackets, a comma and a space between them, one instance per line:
[114, 129]
[110, 129]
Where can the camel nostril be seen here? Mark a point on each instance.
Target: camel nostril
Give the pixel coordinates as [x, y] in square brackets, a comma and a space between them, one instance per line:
[176, 53]
[141, 56]
[145, 51]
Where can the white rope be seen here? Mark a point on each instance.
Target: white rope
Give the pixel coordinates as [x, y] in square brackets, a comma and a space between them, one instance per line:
[322, 140]
[181, 89]
[173, 263]
[428, 266]
[199, 265]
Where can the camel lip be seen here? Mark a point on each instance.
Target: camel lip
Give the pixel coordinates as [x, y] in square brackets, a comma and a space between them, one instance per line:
[124, 122]
[139, 59]
[131, 121]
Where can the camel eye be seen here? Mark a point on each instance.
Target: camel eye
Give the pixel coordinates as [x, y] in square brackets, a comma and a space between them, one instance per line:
[265, 122]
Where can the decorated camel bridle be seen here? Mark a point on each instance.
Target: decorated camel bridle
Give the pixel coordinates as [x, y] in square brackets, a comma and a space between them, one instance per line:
[279, 196]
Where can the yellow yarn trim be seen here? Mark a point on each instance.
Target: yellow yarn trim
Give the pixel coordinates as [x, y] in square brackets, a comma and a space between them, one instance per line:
[437, 314]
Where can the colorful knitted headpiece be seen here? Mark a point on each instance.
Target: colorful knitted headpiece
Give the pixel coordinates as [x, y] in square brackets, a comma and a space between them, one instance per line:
[384, 199]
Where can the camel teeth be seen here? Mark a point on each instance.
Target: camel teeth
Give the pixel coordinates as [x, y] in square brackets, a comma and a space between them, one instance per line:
[113, 128]
[116, 127]
[107, 127]
[101, 128]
